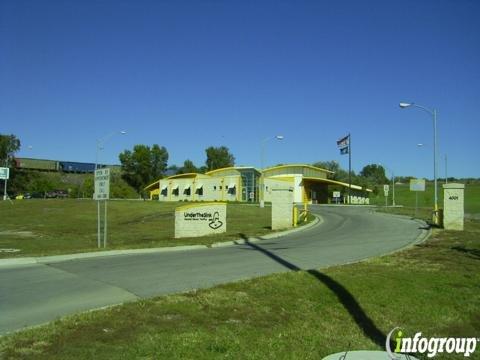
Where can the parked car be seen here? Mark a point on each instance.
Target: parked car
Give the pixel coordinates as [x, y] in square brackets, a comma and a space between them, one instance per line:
[27, 195]
[59, 194]
[62, 194]
[37, 195]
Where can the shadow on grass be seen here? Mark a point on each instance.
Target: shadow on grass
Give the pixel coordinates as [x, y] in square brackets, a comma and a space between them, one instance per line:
[348, 301]
[473, 253]
[424, 227]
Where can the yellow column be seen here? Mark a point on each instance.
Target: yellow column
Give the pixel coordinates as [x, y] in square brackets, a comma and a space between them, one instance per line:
[194, 189]
[223, 187]
[239, 190]
[305, 204]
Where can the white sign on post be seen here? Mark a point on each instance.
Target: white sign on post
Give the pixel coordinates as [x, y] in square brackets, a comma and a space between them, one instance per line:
[102, 184]
[4, 173]
[336, 194]
[417, 184]
[386, 188]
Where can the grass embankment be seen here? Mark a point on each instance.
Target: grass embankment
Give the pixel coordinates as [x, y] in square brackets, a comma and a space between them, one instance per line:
[405, 197]
[433, 288]
[50, 227]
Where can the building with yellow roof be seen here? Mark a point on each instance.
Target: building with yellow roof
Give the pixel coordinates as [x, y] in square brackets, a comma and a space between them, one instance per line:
[247, 184]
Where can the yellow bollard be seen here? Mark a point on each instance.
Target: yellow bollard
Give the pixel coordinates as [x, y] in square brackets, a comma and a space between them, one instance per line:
[295, 216]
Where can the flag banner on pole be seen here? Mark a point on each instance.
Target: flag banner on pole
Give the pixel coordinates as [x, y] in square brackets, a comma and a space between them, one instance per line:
[344, 151]
[343, 141]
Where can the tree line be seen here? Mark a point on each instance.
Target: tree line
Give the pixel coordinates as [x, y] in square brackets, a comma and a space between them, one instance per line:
[145, 164]
[139, 167]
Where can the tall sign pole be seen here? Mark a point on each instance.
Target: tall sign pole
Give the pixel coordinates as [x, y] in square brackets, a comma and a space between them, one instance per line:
[98, 202]
[349, 168]
[102, 194]
[4, 174]
[417, 185]
[345, 146]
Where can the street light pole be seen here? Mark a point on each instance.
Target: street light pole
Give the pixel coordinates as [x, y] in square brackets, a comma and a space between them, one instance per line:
[393, 189]
[435, 158]
[446, 175]
[262, 164]
[433, 113]
[264, 141]
[102, 141]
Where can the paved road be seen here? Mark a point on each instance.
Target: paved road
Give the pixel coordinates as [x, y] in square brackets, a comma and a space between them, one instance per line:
[38, 293]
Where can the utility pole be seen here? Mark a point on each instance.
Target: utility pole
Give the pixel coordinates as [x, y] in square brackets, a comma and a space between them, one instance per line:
[349, 168]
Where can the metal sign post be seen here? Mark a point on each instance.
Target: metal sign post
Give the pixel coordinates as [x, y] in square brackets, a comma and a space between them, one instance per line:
[336, 196]
[417, 185]
[4, 174]
[102, 193]
[386, 188]
[416, 203]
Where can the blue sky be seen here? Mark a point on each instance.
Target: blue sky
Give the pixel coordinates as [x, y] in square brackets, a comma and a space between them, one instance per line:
[190, 74]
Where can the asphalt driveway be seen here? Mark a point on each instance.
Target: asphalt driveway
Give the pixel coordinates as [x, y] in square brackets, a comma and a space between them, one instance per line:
[37, 293]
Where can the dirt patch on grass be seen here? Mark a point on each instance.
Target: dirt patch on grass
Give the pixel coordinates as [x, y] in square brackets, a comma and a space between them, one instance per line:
[17, 233]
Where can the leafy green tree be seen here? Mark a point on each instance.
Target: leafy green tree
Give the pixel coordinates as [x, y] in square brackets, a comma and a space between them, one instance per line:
[188, 167]
[374, 174]
[339, 174]
[218, 157]
[119, 189]
[173, 169]
[9, 145]
[143, 165]
[159, 160]
[202, 169]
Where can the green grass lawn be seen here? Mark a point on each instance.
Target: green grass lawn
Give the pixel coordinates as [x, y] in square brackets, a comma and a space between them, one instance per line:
[433, 288]
[405, 197]
[49, 227]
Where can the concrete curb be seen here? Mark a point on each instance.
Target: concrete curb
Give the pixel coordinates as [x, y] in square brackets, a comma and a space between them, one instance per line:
[424, 234]
[4, 263]
[318, 220]
[18, 261]
[422, 237]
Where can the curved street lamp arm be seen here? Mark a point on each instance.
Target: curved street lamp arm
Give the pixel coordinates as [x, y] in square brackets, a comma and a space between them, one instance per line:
[430, 111]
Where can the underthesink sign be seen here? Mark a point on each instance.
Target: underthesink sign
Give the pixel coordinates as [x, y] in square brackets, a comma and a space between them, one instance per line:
[200, 219]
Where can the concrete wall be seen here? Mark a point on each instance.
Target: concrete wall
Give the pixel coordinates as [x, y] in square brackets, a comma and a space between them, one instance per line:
[281, 194]
[298, 189]
[453, 206]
